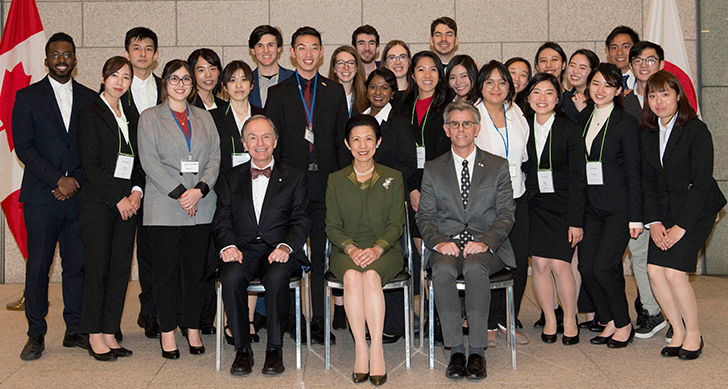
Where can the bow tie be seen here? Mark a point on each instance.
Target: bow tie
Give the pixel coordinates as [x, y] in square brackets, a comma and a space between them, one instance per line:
[260, 172]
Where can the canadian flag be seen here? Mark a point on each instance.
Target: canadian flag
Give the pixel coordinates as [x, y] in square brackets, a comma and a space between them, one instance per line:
[21, 63]
[665, 30]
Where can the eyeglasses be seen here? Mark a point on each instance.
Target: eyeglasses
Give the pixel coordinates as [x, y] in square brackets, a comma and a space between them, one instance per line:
[651, 61]
[345, 64]
[454, 125]
[393, 58]
[490, 84]
[58, 55]
[174, 80]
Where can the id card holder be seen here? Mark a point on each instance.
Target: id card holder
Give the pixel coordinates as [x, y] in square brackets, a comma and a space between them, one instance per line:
[124, 166]
[420, 157]
[594, 173]
[189, 166]
[309, 134]
[546, 181]
[513, 170]
[239, 159]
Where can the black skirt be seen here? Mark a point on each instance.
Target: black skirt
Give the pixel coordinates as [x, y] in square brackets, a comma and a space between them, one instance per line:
[683, 255]
[548, 234]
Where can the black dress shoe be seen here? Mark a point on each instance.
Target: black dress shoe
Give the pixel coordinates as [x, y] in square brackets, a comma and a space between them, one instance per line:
[33, 348]
[596, 327]
[105, 357]
[570, 340]
[228, 338]
[388, 339]
[208, 329]
[254, 338]
[456, 369]
[438, 332]
[687, 354]
[317, 333]
[339, 322]
[541, 321]
[546, 338]
[668, 351]
[193, 349]
[273, 365]
[150, 325]
[621, 344]
[358, 378]
[168, 354]
[119, 336]
[75, 339]
[378, 380]
[243, 363]
[600, 339]
[476, 368]
[122, 352]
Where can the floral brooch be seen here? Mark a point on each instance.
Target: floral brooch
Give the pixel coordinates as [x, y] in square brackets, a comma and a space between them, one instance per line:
[387, 182]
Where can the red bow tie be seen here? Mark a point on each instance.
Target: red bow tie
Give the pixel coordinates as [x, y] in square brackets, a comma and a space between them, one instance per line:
[260, 172]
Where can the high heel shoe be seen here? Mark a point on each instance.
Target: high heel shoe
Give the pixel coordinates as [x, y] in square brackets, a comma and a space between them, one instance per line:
[193, 349]
[668, 351]
[168, 354]
[105, 357]
[687, 354]
[358, 378]
[546, 338]
[570, 340]
[122, 352]
[600, 339]
[378, 380]
[621, 344]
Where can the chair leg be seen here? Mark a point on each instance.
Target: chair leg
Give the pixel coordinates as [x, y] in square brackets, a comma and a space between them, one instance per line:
[298, 327]
[307, 296]
[412, 314]
[327, 325]
[512, 325]
[220, 328]
[422, 307]
[432, 324]
[407, 334]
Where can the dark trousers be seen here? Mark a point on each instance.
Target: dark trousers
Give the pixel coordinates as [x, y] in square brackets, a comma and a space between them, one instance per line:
[236, 277]
[144, 260]
[48, 224]
[317, 211]
[179, 256]
[108, 245]
[209, 297]
[606, 235]
[519, 241]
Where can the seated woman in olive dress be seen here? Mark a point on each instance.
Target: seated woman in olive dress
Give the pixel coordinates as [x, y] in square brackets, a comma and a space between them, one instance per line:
[364, 219]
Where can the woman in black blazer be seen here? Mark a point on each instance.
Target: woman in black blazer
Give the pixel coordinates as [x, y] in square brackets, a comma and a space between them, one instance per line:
[614, 202]
[555, 183]
[206, 65]
[110, 198]
[681, 200]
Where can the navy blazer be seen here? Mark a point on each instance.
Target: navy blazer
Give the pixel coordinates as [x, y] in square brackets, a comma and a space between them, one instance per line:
[254, 97]
[41, 141]
[229, 133]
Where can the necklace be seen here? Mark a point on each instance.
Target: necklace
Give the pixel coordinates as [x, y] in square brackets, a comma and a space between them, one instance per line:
[358, 173]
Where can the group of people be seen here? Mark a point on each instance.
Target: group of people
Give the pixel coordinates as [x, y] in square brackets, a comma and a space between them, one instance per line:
[230, 171]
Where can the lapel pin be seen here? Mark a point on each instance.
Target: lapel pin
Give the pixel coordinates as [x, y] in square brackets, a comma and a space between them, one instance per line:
[480, 164]
[323, 83]
[280, 179]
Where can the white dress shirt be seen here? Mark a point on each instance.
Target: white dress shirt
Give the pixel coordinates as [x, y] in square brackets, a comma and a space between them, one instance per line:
[459, 164]
[631, 80]
[383, 115]
[238, 121]
[541, 134]
[144, 92]
[64, 98]
[665, 132]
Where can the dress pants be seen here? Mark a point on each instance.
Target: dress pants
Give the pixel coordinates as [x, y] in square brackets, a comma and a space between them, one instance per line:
[179, 256]
[316, 190]
[606, 235]
[209, 296]
[638, 248]
[144, 260]
[108, 245]
[236, 277]
[48, 224]
[476, 270]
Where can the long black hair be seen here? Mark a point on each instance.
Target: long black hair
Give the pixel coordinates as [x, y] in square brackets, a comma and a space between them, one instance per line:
[443, 94]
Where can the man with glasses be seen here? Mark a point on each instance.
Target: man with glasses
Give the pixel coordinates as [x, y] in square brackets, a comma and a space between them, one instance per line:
[468, 238]
[310, 113]
[365, 40]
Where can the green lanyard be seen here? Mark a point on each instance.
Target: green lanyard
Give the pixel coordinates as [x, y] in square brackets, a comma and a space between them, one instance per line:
[130, 147]
[424, 121]
[538, 167]
[606, 126]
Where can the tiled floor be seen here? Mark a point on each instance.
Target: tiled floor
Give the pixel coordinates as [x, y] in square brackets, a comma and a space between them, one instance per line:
[539, 364]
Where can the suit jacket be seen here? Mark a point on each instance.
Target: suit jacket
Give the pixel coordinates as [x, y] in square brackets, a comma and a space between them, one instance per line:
[632, 106]
[684, 190]
[197, 102]
[229, 133]
[621, 166]
[127, 100]
[254, 96]
[567, 164]
[162, 146]
[41, 141]
[489, 219]
[98, 148]
[398, 149]
[284, 216]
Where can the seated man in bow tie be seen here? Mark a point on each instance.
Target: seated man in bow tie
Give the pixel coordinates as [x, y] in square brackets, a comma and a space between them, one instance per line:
[465, 216]
[260, 227]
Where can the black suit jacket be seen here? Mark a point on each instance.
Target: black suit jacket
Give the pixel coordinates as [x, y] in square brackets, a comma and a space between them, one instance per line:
[41, 141]
[567, 163]
[197, 102]
[684, 190]
[621, 164]
[284, 217]
[432, 134]
[397, 149]
[98, 148]
[632, 106]
[229, 134]
[127, 100]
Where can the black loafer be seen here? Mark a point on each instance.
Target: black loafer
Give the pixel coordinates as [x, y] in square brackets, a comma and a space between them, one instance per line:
[150, 325]
[243, 363]
[378, 380]
[358, 378]
[546, 338]
[600, 339]
[122, 352]
[687, 354]
[75, 339]
[208, 329]
[621, 344]
[273, 365]
[570, 340]
[456, 369]
[105, 357]
[33, 348]
[476, 368]
[668, 351]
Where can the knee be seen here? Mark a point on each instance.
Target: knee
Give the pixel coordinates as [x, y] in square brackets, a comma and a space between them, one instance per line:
[443, 271]
[541, 265]
[675, 276]
[476, 270]
[277, 278]
[371, 280]
[352, 278]
[655, 272]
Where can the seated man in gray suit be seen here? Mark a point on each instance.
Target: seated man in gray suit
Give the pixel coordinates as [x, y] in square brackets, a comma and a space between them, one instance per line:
[465, 216]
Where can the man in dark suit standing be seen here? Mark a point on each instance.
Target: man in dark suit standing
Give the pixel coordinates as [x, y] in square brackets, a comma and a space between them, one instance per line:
[266, 46]
[310, 113]
[44, 131]
[260, 226]
[466, 213]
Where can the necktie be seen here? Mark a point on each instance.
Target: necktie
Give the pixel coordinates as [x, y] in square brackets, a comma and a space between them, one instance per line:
[308, 98]
[465, 236]
[260, 172]
[624, 81]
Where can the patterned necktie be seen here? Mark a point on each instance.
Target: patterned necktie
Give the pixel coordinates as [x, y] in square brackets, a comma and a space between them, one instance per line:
[308, 98]
[465, 236]
[625, 77]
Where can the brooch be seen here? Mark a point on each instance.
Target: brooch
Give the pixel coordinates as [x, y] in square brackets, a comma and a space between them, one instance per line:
[387, 182]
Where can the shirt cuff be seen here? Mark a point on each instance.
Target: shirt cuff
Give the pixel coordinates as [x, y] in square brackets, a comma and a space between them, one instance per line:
[344, 244]
[383, 244]
[636, 225]
[177, 191]
[290, 250]
[225, 248]
[648, 225]
[203, 188]
[137, 189]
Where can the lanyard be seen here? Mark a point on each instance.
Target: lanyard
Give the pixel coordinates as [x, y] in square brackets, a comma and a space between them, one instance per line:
[538, 167]
[260, 83]
[129, 143]
[604, 136]
[351, 103]
[313, 102]
[189, 127]
[506, 141]
[424, 121]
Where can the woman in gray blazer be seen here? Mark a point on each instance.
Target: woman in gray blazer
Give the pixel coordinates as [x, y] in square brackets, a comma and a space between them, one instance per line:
[180, 152]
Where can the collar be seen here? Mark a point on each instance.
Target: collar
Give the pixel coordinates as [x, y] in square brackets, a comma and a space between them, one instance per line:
[670, 124]
[459, 160]
[112, 110]
[272, 162]
[138, 81]
[546, 126]
[383, 115]
[58, 86]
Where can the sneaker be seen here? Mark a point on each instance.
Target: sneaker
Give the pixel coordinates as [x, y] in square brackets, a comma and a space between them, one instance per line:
[651, 325]
[668, 335]
[642, 317]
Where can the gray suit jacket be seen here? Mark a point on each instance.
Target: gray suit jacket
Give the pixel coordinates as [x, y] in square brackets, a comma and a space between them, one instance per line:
[162, 147]
[490, 213]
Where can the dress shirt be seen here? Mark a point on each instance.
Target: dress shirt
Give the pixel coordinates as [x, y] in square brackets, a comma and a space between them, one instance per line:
[238, 121]
[541, 134]
[596, 124]
[459, 164]
[124, 127]
[144, 92]
[631, 80]
[383, 115]
[349, 102]
[64, 97]
[260, 185]
[665, 132]
[210, 107]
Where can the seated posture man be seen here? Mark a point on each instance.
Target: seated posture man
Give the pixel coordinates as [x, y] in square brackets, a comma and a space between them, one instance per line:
[466, 213]
[260, 227]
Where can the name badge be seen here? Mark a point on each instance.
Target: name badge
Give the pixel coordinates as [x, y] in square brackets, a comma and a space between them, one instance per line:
[189, 166]
[513, 170]
[309, 134]
[239, 159]
[420, 157]
[546, 181]
[594, 173]
[124, 165]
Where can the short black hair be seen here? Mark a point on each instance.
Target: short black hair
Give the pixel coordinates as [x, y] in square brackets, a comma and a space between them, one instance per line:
[641, 46]
[60, 37]
[387, 75]
[211, 57]
[591, 56]
[265, 29]
[487, 70]
[622, 30]
[612, 75]
[139, 33]
[233, 67]
[363, 120]
[306, 30]
[446, 21]
[539, 78]
[471, 68]
[365, 29]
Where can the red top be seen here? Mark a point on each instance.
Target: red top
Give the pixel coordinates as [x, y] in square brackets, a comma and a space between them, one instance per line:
[421, 106]
[182, 120]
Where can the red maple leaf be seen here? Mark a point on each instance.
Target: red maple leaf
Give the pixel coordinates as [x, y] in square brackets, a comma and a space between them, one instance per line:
[12, 82]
